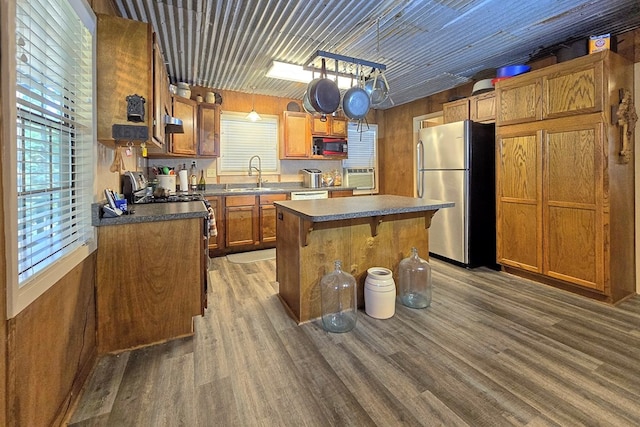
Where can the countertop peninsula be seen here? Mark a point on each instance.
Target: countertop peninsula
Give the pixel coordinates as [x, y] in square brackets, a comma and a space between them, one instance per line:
[151, 212]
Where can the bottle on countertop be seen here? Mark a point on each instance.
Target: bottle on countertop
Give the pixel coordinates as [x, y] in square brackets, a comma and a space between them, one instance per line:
[193, 177]
[202, 184]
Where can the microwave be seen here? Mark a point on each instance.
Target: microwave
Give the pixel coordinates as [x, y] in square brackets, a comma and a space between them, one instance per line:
[331, 147]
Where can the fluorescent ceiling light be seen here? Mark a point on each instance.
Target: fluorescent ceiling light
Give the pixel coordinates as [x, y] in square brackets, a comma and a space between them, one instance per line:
[295, 73]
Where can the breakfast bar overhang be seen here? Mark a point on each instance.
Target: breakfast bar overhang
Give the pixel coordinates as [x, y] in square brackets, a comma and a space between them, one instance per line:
[362, 232]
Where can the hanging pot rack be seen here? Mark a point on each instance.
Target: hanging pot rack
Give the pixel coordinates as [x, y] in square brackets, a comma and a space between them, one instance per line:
[340, 62]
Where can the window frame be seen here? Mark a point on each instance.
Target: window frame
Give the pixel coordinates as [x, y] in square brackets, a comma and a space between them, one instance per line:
[20, 297]
[242, 116]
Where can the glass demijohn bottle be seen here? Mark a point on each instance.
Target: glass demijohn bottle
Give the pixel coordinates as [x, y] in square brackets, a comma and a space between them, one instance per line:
[414, 281]
[339, 305]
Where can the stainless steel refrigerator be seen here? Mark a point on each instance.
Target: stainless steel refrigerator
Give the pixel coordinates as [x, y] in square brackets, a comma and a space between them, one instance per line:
[456, 163]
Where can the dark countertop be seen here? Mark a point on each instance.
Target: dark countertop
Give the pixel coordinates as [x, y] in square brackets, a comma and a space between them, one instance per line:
[152, 212]
[323, 210]
[270, 188]
[179, 210]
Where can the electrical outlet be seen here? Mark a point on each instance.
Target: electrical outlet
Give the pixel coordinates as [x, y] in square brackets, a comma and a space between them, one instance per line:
[211, 173]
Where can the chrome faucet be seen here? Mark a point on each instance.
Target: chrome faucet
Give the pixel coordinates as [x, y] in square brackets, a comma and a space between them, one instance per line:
[259, 169]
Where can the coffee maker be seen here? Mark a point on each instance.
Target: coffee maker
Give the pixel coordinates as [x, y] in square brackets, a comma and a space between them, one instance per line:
[134, 186]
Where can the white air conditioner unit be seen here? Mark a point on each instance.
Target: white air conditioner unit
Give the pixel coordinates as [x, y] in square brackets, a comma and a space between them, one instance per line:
[360, 178]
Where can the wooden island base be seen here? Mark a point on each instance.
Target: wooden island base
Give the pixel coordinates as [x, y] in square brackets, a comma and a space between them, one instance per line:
[306, 251]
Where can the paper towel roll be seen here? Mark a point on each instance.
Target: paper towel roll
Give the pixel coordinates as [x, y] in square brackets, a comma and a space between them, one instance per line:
[184, 180]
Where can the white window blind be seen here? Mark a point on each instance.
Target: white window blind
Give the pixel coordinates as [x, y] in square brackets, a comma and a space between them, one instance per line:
[54, 135]
[362, 146]
[240, 139]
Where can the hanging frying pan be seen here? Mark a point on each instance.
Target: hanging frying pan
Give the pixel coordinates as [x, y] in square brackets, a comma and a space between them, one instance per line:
[306, 104]
[356, 102]
[323, 93]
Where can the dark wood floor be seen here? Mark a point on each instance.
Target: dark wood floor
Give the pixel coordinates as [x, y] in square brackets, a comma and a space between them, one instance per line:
[492, 350]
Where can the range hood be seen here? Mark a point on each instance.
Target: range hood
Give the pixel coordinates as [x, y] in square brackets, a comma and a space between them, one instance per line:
[173, 124]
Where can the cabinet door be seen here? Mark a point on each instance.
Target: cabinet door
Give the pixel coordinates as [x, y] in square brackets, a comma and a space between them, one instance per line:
[338, 126]
[483, 108]
[518, 100]
[319, 127]
[573, 203]
[519, 213]
[575, 90]
[297, 136]
[209, 130]
[161, 97]
[268, 216]
[455, 111]
[123, 68]
[241, 221]
[267, 223]
[184, 143]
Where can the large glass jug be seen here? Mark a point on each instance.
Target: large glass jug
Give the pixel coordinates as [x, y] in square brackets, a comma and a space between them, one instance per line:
[339, 306]
[414, 281]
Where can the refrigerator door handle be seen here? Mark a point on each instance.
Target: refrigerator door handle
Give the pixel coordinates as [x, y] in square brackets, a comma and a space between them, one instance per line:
[419, 168]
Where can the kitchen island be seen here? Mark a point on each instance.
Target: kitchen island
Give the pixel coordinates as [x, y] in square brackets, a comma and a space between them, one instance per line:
[150, 274]
[362, 232]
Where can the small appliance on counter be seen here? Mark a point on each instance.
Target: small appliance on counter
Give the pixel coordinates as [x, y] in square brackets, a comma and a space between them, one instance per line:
[134, 186]
[312, 178]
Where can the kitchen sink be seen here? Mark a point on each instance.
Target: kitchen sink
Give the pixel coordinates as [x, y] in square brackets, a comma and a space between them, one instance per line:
[251, 189]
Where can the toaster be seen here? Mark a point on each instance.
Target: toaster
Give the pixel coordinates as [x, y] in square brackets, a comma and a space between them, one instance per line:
[312, 178]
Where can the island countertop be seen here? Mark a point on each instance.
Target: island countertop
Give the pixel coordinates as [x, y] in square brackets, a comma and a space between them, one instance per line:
[322, 210]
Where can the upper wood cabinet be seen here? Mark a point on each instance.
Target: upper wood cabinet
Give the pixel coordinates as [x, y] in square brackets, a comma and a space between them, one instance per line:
[127, 64]
[332, 126]
[161, 96]
[209, 130]
[482, 108]
[186, 110]
[455, 111]
[565, 208]
[297, 136]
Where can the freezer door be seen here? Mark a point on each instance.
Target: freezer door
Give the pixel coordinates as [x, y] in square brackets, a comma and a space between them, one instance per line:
[445, 146]
[448, 233]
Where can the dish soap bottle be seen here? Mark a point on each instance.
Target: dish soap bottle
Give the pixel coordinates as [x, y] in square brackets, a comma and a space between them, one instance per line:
[338, 300]
[193, 177]
[414, 281]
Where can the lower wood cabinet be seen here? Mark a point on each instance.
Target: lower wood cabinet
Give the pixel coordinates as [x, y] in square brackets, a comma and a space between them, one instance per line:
[149, 282]
[241, 221]
[249, 221]
[268, 216]
[340, 193]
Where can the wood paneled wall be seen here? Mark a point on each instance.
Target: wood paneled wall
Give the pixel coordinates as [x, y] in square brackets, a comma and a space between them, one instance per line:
[52, 349]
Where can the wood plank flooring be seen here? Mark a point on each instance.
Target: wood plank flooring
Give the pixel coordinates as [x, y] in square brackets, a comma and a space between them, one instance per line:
[492, 350]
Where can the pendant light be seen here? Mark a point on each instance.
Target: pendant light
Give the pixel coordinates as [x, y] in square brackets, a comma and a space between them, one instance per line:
[253, 115]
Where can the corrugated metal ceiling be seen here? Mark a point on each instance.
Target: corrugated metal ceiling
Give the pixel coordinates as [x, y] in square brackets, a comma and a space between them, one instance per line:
[427, 45]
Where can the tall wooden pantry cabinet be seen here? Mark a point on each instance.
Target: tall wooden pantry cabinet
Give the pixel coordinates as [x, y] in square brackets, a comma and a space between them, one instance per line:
[565, 183]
